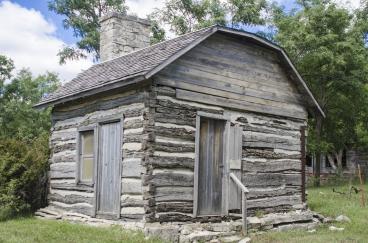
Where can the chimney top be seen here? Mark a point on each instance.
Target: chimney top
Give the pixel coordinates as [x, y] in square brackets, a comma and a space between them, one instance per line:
[121, 34]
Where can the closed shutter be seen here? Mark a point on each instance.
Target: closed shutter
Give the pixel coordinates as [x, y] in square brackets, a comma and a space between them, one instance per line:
[235, 165]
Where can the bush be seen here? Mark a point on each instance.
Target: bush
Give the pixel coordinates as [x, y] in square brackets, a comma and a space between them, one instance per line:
[23, 175]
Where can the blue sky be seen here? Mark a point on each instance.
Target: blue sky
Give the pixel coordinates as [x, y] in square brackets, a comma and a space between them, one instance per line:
[57, 20]
[67, 35]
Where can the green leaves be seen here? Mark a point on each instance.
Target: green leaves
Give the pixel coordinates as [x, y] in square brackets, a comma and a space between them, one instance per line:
[18, 118]
[185, 16]
[24, 133]
[326, 44]
[23, 175]
[82, 16]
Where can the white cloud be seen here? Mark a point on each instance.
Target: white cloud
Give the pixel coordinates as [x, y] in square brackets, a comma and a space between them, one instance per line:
[143, 7]
[350, 4]
[30, 40]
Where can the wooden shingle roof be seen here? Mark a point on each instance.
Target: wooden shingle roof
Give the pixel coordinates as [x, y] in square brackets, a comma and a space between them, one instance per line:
[134, 64]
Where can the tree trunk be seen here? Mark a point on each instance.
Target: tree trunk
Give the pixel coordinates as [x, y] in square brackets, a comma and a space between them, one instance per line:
[317, 167]
[331, 161]
[339, 161]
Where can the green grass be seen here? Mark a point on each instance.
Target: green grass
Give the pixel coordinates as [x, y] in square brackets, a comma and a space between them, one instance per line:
[331, 204]
[31, 230]
[322, 200]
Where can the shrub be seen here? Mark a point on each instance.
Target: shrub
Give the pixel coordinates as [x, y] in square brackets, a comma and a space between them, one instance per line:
[23, 175]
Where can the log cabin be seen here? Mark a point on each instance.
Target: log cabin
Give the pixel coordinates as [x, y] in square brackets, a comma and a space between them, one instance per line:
[189, 129]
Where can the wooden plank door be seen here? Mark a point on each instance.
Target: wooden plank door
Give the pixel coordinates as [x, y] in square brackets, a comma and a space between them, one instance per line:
[108, 186]
[210, 166]
[235, 156]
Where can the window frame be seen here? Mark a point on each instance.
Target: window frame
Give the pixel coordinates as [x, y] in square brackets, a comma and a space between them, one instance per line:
[78, 179]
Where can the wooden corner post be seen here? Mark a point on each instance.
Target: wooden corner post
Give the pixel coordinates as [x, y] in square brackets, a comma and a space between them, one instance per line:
[303, 159]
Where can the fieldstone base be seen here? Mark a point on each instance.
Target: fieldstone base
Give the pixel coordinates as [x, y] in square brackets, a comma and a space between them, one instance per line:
[181, 232]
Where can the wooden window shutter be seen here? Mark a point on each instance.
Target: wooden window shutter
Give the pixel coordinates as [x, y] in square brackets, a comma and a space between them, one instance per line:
[235, 165]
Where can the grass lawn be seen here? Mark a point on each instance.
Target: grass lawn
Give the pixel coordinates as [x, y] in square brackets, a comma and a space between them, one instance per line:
[29, 230]
[331, 204]
[322, 200]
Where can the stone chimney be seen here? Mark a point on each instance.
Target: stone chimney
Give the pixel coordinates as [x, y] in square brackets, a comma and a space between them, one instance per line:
[121, 34]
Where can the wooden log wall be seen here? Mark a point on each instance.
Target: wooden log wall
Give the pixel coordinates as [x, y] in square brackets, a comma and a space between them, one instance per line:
[247, 83]
[65, 193]
[271, 162]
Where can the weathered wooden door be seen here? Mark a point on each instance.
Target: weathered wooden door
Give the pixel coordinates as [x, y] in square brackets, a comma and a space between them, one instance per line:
[210, 174]
[108, 186]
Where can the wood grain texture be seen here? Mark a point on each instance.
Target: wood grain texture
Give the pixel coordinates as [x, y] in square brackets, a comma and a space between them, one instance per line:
[245, 75]
[109, 177]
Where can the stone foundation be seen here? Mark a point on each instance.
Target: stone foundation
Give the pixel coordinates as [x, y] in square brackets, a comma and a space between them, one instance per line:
[181, 232]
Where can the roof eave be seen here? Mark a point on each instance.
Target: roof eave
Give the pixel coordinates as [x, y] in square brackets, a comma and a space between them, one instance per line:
[131, 80]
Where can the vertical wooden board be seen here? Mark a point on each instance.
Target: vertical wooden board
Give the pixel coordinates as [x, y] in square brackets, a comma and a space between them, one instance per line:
[235, 154]
[196, 166]
[303, 158]
[210, 167]
[109, 169]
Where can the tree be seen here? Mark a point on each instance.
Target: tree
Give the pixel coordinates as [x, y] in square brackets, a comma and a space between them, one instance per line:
[24, 133]
[327, 45]
[183, 16]
[6, 67]
[18, 118]
[82, 17]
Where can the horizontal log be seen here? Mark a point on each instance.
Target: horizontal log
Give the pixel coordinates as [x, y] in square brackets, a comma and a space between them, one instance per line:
[64, 135]
[99, 105]
[175, 112]
[173, 193]
[272, 191]
[132, 167]
[71, 197]
[171, 162]
[173, 148]
[133, 122]
[132, 201]
[250, 165]
[182, 119]
[170, 102]
[173, 217]
[69, 184]
[63, 170]
[175, 132]
[132, 146]
[164, 91]
[82, 208]
[274, 201]
[271, 145]
[276, 139]
[181, 207]
[132, 211]
[260, 129]
[271, 179]
[131, 186]
[64, 158]
[135, 138]
[64, 146]
[174, 177]
[269, 153]
[67, 124]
